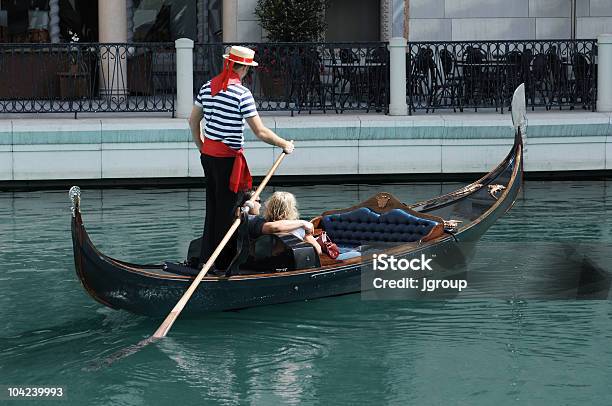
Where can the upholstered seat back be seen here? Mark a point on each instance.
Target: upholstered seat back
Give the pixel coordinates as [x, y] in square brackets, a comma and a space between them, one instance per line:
[363, 225]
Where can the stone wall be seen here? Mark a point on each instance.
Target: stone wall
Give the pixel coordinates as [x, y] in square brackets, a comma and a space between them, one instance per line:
[347, 144]
[456, 20]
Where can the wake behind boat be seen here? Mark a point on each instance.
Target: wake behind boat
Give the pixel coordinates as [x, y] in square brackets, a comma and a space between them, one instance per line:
[281, 268]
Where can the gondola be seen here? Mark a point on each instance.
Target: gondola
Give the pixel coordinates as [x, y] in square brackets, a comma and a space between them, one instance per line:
[280, 268]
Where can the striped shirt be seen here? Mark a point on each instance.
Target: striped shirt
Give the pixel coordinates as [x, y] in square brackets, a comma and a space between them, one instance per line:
[225, 113]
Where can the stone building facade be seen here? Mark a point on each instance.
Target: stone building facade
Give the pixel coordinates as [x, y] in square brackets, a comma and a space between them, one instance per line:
[350, 20]
[445, 20]
[455, 20]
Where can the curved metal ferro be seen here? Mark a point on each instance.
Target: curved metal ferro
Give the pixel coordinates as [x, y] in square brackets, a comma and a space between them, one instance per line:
[519, 113]
[75, 197]
[493, 189]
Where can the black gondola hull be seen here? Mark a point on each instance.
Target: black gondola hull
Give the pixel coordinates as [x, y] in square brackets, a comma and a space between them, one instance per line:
[148, 294]
[150, 290]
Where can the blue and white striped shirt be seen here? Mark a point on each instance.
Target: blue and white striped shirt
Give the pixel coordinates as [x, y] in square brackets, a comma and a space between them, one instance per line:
[225, 113]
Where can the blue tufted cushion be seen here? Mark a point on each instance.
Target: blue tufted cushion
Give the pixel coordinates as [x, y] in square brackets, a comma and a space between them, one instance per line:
[364, 225]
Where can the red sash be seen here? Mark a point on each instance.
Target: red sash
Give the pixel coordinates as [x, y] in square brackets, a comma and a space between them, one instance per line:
[225, 78]
[240, 179]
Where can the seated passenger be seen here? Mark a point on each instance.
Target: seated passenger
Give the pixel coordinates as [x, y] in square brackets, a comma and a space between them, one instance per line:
[281, 216]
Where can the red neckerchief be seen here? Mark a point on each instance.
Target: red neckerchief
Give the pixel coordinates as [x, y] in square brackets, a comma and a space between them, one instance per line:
[225, 78]
[240, 179]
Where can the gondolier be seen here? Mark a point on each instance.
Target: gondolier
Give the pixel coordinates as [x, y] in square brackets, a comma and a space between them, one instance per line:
[225, 105]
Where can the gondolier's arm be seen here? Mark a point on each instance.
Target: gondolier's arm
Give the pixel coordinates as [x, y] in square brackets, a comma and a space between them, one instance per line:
[194, 124]
[268, 136]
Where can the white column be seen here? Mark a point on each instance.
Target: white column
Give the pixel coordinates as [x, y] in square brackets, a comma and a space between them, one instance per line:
[112, 26]
[397, 76]
[184, 77]
[604, 72]
[54, 30]
[230, 20]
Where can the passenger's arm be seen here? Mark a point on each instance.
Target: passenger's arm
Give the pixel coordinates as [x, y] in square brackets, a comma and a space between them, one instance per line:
[310, 239]
[194, 124]
[286, 226]
[266, 135]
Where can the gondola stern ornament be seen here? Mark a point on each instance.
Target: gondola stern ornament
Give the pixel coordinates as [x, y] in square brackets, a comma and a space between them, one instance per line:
[75, 196]
[519, 113]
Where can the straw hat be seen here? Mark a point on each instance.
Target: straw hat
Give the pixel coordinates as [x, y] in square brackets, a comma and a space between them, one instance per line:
[241, 55]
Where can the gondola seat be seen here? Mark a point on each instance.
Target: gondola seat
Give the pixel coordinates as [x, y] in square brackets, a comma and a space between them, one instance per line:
[364, 225]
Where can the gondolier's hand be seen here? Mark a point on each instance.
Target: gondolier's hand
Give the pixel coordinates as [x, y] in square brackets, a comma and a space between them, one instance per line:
[288, 147]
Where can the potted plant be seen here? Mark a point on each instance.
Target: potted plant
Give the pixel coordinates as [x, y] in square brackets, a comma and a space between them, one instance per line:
[74, 83]
[285, 21]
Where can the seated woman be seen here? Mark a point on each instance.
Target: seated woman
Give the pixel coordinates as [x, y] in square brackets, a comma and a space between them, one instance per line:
[281, 214]
[260, 225]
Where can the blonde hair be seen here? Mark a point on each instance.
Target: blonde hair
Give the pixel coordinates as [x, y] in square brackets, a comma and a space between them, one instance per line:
[281, 206]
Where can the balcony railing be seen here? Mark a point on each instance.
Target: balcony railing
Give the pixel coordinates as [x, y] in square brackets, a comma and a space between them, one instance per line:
[80, 77]
[300, 77]
[460, 75]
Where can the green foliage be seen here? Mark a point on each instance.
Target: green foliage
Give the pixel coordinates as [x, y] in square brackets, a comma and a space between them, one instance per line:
[292, 20]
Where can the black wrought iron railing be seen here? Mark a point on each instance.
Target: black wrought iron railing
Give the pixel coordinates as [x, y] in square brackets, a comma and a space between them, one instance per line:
[299, 77]
[460, 75]
[309, 77]
[87, 77]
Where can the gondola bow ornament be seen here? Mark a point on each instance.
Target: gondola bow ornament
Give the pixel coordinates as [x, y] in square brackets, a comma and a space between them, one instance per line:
[519, 114]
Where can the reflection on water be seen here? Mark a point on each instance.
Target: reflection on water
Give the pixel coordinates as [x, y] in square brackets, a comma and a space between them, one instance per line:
[338, 350]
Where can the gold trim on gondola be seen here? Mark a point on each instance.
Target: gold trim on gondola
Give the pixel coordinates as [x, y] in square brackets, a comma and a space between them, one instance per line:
[493, 189]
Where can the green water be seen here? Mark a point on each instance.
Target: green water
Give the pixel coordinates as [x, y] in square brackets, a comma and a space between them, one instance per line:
[342, 350]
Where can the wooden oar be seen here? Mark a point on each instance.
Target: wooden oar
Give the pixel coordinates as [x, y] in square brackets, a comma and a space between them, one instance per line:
[171, 318]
